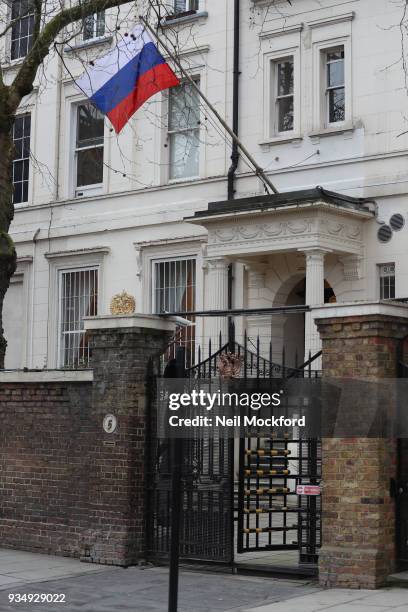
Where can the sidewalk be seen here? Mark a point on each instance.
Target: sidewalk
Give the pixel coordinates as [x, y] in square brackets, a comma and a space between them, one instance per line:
[99, 588]
[342, 600]
[18, 568]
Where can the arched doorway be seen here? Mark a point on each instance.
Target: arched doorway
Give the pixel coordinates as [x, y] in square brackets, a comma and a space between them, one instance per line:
[294, 325]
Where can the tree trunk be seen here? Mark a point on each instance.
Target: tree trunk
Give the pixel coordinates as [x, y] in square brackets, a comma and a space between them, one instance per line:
[8, 256]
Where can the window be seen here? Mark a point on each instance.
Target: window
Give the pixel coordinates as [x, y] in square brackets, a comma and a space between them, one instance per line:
[183, 6]
[175, 291]
[387, 281]
[89, 146]
[22, 28]
[78, 291]
[184, 131]
[94, 26]
[335, 89]
[283, 95]
[21, 161]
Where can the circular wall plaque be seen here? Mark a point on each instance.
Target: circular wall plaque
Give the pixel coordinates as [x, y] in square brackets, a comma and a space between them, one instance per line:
[110, 423]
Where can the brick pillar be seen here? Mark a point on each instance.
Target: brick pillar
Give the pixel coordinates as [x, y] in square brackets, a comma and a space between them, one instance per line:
[358, 521]
[121, 348]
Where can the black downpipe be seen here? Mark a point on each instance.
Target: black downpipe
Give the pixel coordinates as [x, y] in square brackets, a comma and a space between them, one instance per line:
[235, 103]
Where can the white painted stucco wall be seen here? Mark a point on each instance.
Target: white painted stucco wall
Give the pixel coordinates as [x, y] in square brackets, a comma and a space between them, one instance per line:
[368, 159]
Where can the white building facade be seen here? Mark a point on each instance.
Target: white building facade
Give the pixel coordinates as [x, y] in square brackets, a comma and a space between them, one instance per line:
[322, 102]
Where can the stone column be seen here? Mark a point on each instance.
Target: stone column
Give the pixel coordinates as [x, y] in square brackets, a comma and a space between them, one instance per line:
[121, 348]
[258, 297]
[216, 298]
[358, 522]
[314, 297]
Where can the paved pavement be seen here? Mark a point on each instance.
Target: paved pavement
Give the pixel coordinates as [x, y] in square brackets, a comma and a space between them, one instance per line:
[96, 588]
[393, 599]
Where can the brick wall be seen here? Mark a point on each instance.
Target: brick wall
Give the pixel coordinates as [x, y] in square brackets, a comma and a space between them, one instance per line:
[358, 521]
[117, 487]
[44, 457]
[66, 486]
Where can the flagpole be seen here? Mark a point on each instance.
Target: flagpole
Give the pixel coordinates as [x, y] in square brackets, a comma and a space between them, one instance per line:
[258, 170]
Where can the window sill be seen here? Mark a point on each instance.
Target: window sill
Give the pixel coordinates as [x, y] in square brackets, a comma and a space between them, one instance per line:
[181, 181]
[181, 18]
[275, 140]
[9, 64]
[88, 191]
[86, 44]
[330, 131]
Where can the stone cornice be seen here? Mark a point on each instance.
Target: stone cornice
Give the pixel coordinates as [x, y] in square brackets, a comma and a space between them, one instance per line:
[142, 321]
[78, 252]
[45, 376]
[281, 31]
[361, 309]
[316, 23]
[325, 228]
[290, 208]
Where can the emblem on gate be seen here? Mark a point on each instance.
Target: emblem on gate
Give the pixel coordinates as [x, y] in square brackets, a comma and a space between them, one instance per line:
[110, 423]
[229, 365]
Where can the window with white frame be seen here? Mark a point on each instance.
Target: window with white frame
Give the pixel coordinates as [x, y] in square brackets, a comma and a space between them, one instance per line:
[89, 145]
[183, 6]
[184, 131]
[174, 290]
[93, 25]
[387, 281]
[335, 84]
[21, 159]
[283, 95]
[78, 298]
[22, 28]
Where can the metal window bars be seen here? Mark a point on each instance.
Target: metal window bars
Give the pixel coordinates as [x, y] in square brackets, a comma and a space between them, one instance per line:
[175, 289]
[78, 298]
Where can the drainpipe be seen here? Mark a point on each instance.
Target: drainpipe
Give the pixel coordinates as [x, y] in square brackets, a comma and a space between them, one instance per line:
[235, 103]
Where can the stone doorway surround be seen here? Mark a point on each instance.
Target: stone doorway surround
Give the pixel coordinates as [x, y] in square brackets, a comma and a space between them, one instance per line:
[312, 223]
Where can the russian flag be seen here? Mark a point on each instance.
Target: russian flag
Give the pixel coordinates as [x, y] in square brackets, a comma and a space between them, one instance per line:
[122, 80]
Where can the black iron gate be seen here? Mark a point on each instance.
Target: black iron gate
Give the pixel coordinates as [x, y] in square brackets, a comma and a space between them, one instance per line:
[401, 488]
[271, 514]
[263, 501]
[206, 520]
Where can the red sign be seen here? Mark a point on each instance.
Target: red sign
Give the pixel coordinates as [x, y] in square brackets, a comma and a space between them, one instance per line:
[308, 490]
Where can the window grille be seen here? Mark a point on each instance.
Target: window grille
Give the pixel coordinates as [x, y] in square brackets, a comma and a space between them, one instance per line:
[284, 95]
[184, 131]
[94, 25]
[22, 29]
[387, 281]
[78, 299]
[335, 89]
[175, 291]
[89, 145]
[21, 160]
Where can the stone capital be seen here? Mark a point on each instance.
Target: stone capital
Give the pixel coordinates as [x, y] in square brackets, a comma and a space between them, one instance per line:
[313, 255]
[216, 264]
